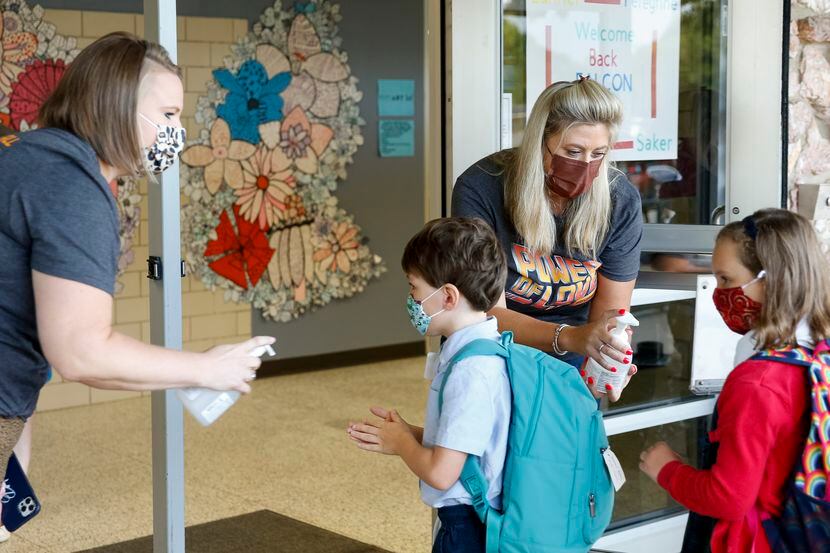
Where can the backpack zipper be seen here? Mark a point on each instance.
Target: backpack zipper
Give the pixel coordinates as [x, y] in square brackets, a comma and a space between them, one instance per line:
[537, 409]
[592, 498]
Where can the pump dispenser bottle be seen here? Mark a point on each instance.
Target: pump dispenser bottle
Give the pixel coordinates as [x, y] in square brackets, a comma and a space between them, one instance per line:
[601, 376]
[208, 405]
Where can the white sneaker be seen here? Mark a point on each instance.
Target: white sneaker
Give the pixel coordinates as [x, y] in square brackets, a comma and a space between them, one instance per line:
[4, 534]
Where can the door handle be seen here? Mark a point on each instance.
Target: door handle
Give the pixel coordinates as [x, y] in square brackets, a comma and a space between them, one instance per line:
[718, 215]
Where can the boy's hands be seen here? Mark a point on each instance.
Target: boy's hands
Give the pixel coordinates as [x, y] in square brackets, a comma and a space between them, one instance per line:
[385, 435]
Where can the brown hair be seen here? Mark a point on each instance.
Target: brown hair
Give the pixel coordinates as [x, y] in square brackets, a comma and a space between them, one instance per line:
[797, 287]
[97, 97]
[460, 251]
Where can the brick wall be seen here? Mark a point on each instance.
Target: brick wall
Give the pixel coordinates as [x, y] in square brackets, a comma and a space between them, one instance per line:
[208, 319]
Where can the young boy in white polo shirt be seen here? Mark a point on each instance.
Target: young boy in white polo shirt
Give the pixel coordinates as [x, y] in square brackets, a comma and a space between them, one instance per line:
[456, 271]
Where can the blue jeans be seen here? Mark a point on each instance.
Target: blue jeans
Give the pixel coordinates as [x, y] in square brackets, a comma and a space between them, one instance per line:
[461, 531]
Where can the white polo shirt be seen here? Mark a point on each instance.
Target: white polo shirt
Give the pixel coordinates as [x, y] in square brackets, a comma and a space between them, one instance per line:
[476, 414]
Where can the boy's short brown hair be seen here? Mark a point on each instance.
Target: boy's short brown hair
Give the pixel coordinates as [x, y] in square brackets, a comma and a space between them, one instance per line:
[460, 251]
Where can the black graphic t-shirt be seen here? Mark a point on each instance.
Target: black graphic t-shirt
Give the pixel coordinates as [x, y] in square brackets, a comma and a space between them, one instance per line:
[556, 287]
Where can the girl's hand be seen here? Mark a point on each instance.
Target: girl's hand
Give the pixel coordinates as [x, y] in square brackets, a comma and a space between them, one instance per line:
[594, 336]
[655, 458]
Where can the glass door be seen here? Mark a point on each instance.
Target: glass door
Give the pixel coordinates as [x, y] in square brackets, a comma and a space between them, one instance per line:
[723, 161]
[684, 188]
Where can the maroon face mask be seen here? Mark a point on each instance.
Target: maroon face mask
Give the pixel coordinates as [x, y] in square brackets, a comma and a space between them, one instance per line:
[739, 311]
[570, 178]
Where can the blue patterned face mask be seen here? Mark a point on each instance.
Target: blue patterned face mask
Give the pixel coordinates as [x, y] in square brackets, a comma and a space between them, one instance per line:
[417, 317]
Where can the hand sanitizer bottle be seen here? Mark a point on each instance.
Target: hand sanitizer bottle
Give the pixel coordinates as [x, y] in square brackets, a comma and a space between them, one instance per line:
[207, 405]
[603, 376]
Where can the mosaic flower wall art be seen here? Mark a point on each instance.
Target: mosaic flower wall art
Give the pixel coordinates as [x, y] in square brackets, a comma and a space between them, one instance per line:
[281, 123]
[33, 57]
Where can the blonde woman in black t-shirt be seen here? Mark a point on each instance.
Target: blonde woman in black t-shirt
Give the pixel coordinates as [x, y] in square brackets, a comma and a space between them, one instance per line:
[569, 222]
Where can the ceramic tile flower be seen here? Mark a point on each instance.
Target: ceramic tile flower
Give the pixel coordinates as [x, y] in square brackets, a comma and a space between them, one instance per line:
[304, 7]
[316, 73]
[287, 183]
[264, 190]
[242, 255]
[252, 99]
[221, 159]
[297, 141]
[339, 249]
[16, 47]
[32, 88]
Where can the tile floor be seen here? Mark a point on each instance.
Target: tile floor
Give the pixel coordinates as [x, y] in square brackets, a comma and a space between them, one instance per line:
[283, 448]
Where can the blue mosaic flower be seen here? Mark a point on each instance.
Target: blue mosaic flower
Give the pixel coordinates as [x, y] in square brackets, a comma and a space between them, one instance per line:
[304, 6]
[253, 99]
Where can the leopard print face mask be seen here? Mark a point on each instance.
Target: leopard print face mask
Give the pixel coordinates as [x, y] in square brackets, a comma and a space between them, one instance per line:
[169, 144]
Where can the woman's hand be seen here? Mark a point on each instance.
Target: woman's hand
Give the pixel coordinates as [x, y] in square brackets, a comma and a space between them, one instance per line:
[594, 339]
[655, 458]
[612, 394]
[232, 367]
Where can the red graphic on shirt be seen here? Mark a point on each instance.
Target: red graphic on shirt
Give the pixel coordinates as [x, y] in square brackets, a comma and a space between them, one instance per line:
[549, 281]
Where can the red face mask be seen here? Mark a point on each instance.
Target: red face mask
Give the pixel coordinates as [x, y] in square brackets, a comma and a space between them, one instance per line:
[739, 311]
[570, 178]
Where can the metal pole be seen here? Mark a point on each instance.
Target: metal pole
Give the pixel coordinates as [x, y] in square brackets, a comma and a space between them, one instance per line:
[166, 320]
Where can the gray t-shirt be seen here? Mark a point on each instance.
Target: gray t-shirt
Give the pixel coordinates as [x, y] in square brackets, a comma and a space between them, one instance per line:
[59, 217]
[556, 287]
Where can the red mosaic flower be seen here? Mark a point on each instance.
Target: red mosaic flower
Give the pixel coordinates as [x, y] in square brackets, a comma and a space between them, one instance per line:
[32, 88]
[245, 253]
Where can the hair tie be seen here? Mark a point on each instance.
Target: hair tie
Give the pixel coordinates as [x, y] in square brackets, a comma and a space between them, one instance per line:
[750, 228]
[583, 77]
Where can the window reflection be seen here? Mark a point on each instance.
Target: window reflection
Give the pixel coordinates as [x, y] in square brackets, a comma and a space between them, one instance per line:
[640, 497]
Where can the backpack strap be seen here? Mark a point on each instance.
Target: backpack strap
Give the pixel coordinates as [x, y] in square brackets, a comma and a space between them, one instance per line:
[812, 468]
[482, 346]
[472, 477]
[797, 355]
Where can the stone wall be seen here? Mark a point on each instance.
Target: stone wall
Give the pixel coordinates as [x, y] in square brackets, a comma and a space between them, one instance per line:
[809, 105]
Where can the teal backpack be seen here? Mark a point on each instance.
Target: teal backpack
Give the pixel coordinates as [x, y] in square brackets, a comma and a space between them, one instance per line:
[557, 495]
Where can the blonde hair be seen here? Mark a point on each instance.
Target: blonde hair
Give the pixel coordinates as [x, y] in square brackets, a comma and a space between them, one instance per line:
[560, 107]
[796, 284]
[97, 97]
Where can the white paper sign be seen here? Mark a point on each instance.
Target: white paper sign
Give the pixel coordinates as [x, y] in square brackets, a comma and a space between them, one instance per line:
[632, 47]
